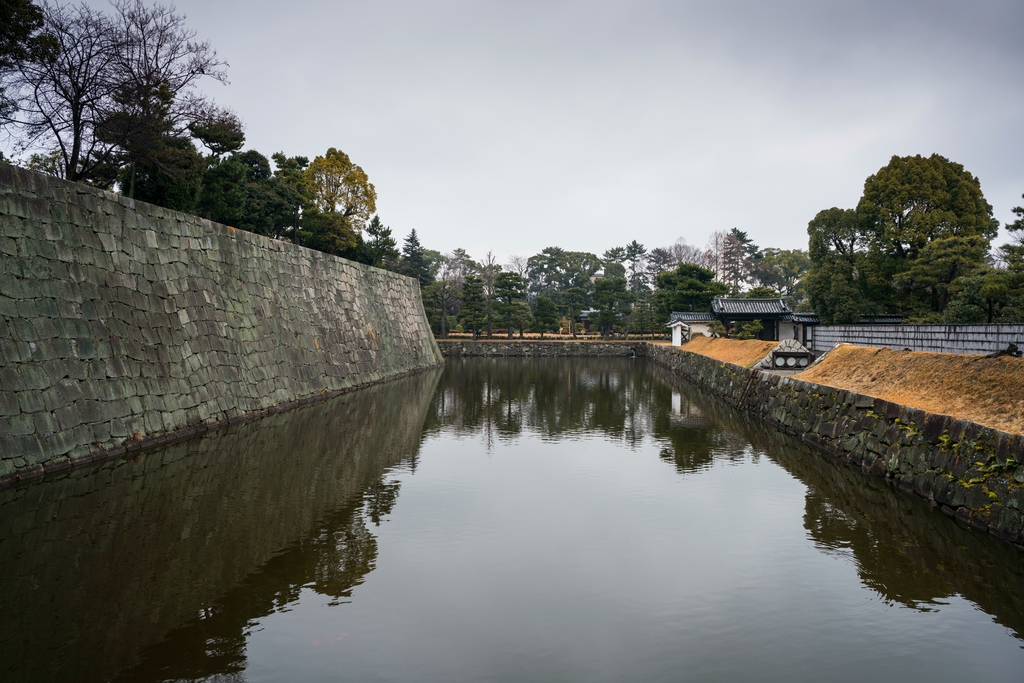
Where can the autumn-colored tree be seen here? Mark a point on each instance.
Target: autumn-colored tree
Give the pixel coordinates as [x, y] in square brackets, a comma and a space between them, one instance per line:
[341, 189]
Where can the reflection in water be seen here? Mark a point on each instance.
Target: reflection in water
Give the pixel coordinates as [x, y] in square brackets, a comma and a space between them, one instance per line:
[906, 551]
[167, 567]
[229, 527]
[331, 561]
[564, 398]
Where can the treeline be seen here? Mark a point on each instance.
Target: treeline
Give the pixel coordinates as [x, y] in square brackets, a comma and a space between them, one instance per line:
[628, 289]
[919, 244]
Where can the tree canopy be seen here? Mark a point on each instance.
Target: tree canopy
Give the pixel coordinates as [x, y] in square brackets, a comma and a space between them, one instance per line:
[920, 227]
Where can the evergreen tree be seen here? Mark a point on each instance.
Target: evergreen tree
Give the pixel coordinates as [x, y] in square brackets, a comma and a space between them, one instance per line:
[612, 300]
[545, 315]
[382, 246]
[414, 260]
[509, 290]
[473, 304]
[687, 288]
[573, 302]
[636, 254]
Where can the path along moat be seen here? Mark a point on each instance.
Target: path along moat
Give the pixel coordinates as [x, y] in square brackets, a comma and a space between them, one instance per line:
[506, 520]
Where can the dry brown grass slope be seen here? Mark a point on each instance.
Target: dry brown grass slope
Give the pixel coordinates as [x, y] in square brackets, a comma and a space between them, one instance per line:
[989, 391]
[743, 352]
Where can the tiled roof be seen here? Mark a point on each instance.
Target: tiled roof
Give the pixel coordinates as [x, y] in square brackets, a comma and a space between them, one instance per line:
[691, 317]
[881, 320]
[805, 318]
[723, 306]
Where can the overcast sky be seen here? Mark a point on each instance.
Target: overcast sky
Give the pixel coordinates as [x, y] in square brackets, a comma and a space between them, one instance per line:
[514, 126]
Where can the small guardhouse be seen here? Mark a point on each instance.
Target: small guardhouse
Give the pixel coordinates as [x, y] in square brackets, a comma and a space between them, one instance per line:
[686, 325]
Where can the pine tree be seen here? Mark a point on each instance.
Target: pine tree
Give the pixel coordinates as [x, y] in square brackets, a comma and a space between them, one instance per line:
[473, 304]
[414, 260]
[382, 245]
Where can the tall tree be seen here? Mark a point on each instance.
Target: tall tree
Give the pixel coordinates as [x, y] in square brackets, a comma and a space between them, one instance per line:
[342, 198]
[914, 200]
[636, 256]
[612, 299]
[783, 270]
[715, 252]
[573, 301]
[414, 262]
[837, 280]
[545, 315]
[659, 260]
[509, 291]
[473, 305]
[291, 177]
[518, 264]
[444, 290]
[383, 247]
[489, 270]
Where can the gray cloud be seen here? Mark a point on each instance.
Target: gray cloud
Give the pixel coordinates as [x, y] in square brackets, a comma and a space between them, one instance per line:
[513, 126]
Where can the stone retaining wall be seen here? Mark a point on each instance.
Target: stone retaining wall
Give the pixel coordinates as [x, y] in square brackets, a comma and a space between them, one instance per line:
[123, 324]
[452, 348]
[975, 473]
[968, 339]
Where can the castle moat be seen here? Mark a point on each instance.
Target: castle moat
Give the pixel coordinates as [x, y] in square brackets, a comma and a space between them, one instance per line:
[500, 519]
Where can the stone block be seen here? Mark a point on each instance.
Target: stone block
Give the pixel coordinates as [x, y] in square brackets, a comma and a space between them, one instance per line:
[934, 427]
[956, 429]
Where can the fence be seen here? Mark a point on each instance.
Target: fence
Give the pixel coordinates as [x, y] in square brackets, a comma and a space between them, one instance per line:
[967, 339]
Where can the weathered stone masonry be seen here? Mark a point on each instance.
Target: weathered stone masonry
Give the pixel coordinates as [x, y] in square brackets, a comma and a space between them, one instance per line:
[123, 325]
[975, 473]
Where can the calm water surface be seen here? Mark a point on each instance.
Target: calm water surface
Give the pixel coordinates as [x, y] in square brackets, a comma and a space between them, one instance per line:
[500, 520]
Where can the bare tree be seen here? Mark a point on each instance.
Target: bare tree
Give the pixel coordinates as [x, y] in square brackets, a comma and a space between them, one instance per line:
[114, 85]
[715, 252]
[687, 253]
[489, 270]
[444, 289]
[155, 98]
[64, 99]
[518, 264]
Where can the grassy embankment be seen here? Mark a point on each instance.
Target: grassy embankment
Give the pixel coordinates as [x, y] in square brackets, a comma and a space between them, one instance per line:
[988, 391]
[743, 352]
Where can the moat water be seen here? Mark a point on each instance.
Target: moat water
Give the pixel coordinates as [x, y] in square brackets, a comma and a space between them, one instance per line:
[499, 520]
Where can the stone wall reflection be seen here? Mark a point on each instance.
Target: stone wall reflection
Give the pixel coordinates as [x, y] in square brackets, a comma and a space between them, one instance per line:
[196, 539]
[906, 551]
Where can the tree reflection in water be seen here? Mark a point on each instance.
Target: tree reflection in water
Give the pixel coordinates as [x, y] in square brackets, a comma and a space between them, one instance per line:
[905, 550]
[331, 561]
[568, 399]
